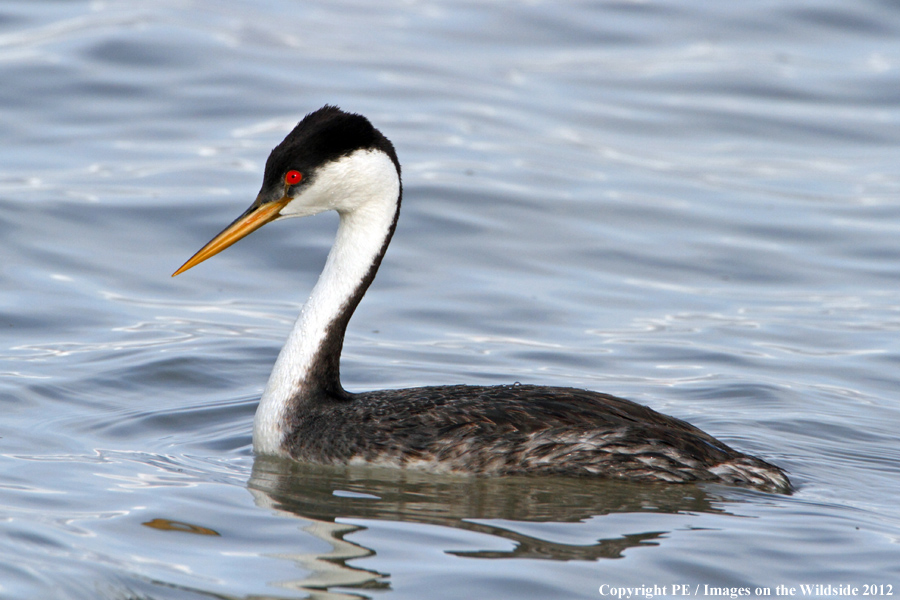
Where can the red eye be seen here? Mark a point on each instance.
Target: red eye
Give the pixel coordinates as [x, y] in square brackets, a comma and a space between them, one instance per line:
[293, 177]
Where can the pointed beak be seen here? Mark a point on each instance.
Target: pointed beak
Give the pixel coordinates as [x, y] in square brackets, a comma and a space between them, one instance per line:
[255, 217]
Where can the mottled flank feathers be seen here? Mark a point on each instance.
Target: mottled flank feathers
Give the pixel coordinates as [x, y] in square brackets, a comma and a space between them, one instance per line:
[515, 430]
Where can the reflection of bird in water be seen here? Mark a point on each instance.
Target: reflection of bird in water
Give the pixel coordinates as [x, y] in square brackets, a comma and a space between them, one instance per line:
[497, 506]
[338, 161]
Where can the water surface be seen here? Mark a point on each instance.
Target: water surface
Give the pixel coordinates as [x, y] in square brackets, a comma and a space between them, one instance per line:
[692, 205]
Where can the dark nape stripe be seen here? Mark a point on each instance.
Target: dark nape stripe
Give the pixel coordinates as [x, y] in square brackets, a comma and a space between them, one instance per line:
[323, 380]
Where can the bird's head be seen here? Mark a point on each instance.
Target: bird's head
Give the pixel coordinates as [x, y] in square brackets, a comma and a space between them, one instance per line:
[332, 160]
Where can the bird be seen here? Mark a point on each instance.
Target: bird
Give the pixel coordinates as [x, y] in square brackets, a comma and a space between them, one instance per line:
[337, 160]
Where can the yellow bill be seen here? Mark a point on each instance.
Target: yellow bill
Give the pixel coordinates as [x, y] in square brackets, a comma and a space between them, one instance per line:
[243, 226]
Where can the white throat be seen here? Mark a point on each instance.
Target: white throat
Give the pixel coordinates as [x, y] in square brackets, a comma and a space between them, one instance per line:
[364, 189]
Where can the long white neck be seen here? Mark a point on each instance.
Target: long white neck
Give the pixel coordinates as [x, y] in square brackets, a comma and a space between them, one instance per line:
[365, 190]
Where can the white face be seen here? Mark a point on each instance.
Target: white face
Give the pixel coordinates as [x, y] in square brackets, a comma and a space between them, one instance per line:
[346, 184]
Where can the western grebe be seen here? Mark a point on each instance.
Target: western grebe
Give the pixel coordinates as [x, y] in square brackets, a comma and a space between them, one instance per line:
[334, 160]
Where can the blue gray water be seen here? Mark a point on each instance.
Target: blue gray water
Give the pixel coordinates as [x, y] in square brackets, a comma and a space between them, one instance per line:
[695, 205]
